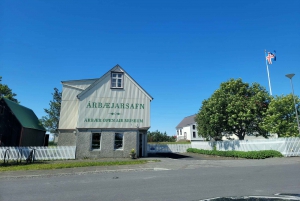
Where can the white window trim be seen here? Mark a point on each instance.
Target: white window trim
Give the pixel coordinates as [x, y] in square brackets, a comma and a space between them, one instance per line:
[117, 78]
[92, 142]
[121, 149]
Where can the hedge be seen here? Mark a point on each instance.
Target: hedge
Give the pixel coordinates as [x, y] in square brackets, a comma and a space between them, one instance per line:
[239, 154]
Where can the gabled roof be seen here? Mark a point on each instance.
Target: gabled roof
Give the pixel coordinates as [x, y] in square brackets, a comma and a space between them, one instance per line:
[116, 68]
[24, 115]
[187, 121]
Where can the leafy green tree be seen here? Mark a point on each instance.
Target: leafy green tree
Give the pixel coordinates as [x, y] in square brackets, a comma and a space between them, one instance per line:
[158, 136]
[51, 120]
[281, 116]
[6, 92]
[235, 108]
[210, 117]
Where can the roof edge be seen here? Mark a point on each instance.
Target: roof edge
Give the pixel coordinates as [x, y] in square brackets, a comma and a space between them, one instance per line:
[97, 80]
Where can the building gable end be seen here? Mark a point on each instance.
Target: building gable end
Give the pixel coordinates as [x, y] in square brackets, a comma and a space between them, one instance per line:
[116, 68]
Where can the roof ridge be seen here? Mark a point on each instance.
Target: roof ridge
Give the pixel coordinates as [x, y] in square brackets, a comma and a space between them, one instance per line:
[79, 80]
[16, 103]
[97, 80]
[24, 115]
[190, 115]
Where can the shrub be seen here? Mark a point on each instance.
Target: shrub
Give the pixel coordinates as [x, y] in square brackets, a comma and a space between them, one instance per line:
[239, 154]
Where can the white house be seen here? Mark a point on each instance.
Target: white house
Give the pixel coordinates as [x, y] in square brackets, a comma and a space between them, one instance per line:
[187, 129]
[105, 117]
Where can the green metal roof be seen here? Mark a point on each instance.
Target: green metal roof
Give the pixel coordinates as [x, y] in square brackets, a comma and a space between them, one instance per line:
[25, 116]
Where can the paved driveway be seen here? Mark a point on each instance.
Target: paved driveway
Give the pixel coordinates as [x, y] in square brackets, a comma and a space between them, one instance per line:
[167, 162]
[171, 179]
[189, 156]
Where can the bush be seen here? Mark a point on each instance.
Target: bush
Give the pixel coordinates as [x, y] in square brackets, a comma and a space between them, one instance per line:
[52, 143]
[238, 154]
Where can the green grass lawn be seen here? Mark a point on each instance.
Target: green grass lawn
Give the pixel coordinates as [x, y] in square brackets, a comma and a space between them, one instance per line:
[59, 165]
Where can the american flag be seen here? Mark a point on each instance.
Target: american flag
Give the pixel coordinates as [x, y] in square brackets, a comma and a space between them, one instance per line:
[270, 57]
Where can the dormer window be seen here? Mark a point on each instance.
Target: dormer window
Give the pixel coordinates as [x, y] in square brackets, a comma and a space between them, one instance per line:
[117, 80]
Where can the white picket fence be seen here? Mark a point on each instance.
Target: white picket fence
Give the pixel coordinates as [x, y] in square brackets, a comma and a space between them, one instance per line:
[287, 146]
[40, 153]
[167, 148]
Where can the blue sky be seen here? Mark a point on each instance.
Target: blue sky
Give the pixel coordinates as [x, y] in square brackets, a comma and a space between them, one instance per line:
[178, 51]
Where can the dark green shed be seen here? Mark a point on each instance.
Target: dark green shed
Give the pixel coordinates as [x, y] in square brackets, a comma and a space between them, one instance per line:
[19, 126]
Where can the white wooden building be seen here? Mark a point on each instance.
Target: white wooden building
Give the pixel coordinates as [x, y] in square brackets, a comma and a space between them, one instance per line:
[187, 129]
[105, 117]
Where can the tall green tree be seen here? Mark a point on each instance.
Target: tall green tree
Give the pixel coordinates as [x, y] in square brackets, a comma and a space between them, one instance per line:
[211, 115]
[280, 117]
[6, 92]
[235, 108]
[51, 120]
[157, 136]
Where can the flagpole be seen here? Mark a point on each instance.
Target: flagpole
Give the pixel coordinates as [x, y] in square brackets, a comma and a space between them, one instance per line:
[268, 74]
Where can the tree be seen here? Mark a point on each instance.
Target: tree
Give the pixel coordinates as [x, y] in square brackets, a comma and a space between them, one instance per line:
[6, 92]
[235, 108]
[210, 117]
[51, 120]
[281, 116]
[157, 136]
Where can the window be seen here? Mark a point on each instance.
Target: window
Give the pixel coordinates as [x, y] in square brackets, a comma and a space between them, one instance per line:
[194, 127]
[194, 134]
[96, 139]
[118, 141]
[180, 132]
[117, 80]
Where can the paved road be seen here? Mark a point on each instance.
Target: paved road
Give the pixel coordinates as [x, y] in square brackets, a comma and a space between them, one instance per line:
[172, 179]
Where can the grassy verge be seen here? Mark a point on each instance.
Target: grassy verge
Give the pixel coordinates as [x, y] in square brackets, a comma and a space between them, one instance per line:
[46, 166]
[239, 154]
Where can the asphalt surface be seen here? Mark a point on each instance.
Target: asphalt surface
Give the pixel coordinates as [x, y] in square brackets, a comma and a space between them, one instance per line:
[176, 177]
[167, 162]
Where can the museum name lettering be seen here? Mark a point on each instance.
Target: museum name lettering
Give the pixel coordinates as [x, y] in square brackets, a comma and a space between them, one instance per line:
[113, 120]
[115, 105]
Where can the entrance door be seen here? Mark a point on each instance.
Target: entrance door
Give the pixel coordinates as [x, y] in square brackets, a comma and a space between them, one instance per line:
[141, 140]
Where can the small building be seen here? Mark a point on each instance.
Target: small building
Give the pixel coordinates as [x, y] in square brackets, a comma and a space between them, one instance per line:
[187, 129]
[105, 117]
[19, 126]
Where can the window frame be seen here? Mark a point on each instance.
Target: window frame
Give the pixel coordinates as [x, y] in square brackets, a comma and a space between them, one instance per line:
[100, 139]
[122, 147]
[116, 80]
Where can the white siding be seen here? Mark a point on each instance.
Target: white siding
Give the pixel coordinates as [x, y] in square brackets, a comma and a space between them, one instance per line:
[68, 115]
[69, 103]
[102, 93]
[187, 130]
[80, 84]
[189, 133]
[75, 112]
